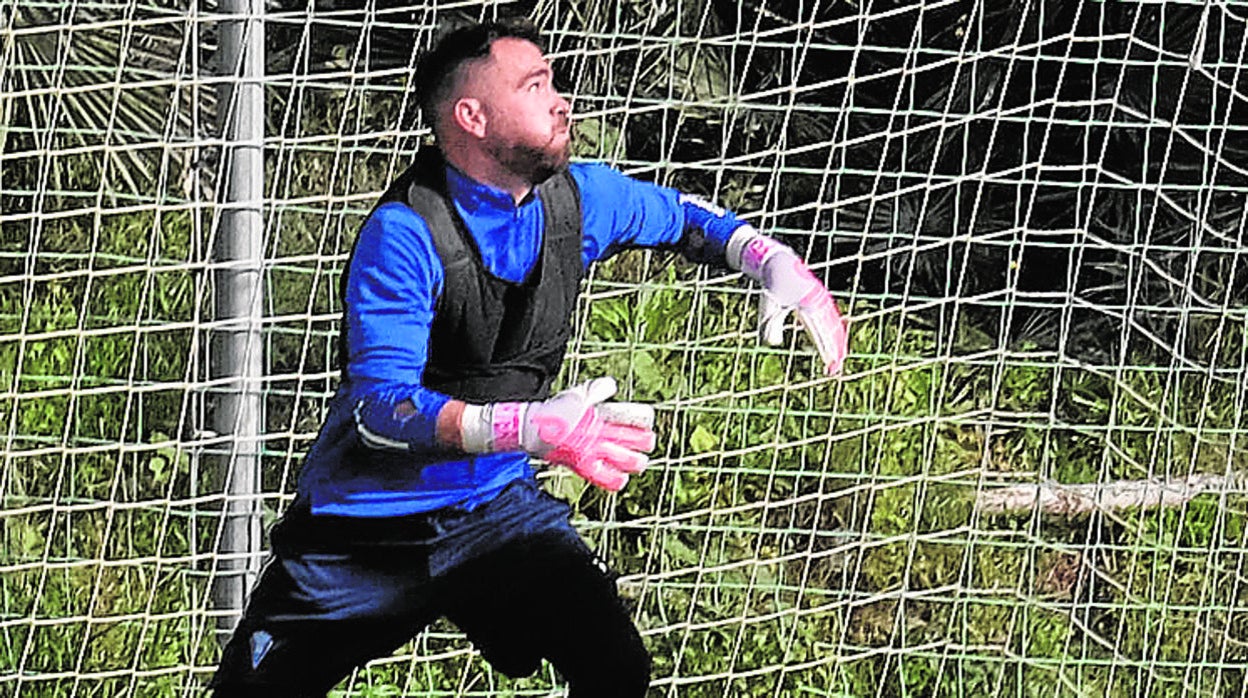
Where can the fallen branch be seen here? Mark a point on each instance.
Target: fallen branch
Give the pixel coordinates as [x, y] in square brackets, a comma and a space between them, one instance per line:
[1056, 498]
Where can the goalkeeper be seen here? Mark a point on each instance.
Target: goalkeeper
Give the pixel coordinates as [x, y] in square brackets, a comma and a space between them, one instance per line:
[418, 499]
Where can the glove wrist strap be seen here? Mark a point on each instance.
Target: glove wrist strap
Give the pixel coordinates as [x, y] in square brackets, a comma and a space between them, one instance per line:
[507, 420]
[492, 428]
[475, 434]
[748, 251]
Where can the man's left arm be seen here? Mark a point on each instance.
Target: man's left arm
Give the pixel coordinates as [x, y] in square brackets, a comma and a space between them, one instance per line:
[621, 212]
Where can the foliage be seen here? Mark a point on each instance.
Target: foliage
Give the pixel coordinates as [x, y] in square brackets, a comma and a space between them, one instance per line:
[800, 535]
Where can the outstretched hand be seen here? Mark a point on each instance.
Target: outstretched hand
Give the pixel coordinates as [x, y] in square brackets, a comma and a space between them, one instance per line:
[789, 287]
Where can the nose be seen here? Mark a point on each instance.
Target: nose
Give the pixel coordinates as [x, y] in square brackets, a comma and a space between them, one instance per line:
[562, 107]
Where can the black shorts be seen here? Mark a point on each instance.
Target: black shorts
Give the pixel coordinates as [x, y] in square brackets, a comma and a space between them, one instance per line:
[513, 575]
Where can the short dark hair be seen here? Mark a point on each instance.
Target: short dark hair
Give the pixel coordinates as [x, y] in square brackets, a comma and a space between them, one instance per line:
[437, 68]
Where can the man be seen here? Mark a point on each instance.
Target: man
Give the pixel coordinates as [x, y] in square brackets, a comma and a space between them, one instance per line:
[418, 499]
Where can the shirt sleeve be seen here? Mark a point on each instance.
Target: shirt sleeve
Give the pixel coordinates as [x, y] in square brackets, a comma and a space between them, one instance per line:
[621, 212]
[393, 282]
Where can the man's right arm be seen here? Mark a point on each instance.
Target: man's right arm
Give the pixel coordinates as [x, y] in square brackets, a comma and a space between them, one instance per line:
[393, 282]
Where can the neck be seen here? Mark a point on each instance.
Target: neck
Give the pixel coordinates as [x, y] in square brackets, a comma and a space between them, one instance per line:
[486, 170]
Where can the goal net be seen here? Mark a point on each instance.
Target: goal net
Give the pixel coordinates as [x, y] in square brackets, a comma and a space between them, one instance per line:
[1029, 479]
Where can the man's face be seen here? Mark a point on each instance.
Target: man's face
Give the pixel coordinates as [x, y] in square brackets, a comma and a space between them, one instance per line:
[527, 128]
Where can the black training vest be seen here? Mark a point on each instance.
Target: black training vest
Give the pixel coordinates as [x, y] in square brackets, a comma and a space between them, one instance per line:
[493, 339]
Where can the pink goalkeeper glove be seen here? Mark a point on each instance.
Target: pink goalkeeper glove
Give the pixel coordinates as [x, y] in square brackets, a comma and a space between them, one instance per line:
[789, 287]
[602, 442]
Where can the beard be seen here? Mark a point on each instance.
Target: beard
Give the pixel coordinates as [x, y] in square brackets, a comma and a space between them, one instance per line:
[535, 164]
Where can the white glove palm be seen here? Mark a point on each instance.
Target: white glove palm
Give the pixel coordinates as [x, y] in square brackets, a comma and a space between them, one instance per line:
[789, 287]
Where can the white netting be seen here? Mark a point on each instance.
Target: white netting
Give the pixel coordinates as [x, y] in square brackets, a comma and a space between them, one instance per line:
[1034, 210]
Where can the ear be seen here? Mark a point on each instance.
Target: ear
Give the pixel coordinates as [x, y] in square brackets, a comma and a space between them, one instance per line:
[469, 116]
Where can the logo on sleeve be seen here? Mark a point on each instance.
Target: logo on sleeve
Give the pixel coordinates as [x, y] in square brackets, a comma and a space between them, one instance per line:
[717, 211]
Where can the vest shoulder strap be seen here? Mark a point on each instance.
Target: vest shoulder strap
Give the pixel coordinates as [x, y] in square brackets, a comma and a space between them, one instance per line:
[562, 200]
[435, 210]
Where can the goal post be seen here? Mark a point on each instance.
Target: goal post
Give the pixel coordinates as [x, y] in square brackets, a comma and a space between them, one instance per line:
[1028, 480]
[237, 360]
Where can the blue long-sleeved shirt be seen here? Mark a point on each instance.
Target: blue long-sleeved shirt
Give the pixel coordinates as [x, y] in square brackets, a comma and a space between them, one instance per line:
[377, 454]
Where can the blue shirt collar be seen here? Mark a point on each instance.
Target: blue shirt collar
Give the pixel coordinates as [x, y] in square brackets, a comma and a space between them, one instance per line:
[476, 196]
[509, 237]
